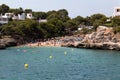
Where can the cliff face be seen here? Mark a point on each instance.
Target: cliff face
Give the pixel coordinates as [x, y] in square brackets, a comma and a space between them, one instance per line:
[103, 38]
[102, 35]
[7, 42]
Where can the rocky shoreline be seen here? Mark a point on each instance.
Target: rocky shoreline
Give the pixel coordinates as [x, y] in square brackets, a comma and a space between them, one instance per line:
[102, 46]
[7, 42]
[104, 38]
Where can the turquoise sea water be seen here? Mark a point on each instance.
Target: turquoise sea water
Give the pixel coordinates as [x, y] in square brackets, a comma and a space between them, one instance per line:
[65, 64]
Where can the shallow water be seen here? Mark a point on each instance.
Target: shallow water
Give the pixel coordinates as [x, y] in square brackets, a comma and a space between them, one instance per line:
[76, 64]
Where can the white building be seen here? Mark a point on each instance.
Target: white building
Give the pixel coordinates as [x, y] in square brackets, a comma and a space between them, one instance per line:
[3, 20]
[29, 16]
[80, 27]
[116, 11]
[8, 15]
[21, 16]
[15, 17]
[42, 20]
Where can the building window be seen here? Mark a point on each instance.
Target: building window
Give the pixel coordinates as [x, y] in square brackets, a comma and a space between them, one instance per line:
[30, 15]
[117, 10]
[4, 19]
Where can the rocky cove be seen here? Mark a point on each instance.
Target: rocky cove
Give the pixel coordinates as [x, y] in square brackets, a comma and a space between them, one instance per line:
[7, 42]
[104, 38]
[103, 46]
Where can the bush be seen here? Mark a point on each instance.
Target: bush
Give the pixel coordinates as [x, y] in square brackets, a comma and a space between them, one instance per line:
[116, 29]
[108, 24]
[86, 31]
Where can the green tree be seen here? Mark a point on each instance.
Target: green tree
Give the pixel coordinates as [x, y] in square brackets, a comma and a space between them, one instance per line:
[51, 12]
[16, 11]
[79, 20]
[52, 16]
[60, 14]
[101, 17]
[116, 29]
[88, 21]
[115, 21]
[97, 19]
[63, 15]
[4, 8]
[40, 15]
[70, 26]
[48, 30]
[28, 10]
[59, 27]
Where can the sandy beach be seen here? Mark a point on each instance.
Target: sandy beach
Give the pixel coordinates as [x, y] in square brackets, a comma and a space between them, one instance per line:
[57, 42]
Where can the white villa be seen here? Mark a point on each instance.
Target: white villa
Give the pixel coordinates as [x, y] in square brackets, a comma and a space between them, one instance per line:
[116, 11]
[21, 16]
[42, 20]
[7, 15]
[80, 27]
[5, 18]
[29, 16]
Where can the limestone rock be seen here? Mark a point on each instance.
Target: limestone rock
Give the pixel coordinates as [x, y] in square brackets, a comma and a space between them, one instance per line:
[2, 46]
[10, 42]
[7, 42]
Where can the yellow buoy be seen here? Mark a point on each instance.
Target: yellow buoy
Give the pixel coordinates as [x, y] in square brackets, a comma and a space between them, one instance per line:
[50, 57]
[26, 66]
[65, 52]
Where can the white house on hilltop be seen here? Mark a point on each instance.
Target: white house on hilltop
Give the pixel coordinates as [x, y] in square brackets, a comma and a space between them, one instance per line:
[29, 16]
[15, 17]
[21, 16]
[7, 15]
[42, 20]
[3, 20]
[116, 11]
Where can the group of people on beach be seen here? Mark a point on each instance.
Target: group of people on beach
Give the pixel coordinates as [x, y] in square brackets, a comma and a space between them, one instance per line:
[58, 41]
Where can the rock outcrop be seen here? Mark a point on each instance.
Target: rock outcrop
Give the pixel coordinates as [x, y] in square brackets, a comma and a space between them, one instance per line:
[7, 42]
[104, 46]
[103, 34]
[104, 38]
[2, 46]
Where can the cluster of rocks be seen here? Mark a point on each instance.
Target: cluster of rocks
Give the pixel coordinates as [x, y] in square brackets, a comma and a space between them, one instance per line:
[102, 35]
[103, 38]
[7, 42]
[104, 46]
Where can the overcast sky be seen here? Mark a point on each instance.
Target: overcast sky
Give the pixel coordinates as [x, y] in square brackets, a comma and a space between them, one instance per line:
[74, 7]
